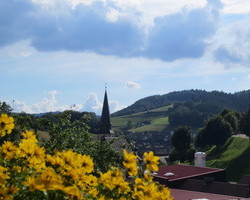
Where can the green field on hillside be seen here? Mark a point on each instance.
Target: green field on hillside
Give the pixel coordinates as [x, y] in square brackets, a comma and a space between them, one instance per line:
[157, 124]
[152, 120]
[234, 156]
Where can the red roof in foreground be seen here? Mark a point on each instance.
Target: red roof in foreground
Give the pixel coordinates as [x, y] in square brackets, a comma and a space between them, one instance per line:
[190, 195]
[177, 172]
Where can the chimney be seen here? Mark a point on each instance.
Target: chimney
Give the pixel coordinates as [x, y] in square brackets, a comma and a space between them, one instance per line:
[200, 159]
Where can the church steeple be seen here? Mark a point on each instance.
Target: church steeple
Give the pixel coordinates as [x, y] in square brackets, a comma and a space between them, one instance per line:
[105, 118]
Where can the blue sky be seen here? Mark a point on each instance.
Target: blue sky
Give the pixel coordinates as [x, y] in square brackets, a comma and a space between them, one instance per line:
[58, 54]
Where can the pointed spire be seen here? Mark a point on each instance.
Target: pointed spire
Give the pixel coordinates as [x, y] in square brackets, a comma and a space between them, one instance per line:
[105, 118]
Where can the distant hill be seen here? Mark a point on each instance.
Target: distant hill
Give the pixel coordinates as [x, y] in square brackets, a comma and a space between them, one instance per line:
[238, 101]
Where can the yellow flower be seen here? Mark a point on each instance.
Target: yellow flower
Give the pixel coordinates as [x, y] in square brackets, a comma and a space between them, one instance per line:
[90, 180]
[87, 163]
[111, 178]
[39, 152]
[3, 175]
[164, 193]
[139, 184]
[47, 180]
[29, 135]
[150, 191]
[70, 160]
[148, 175]
[6, 124]
[68, 157]
[55, 160]
[93, 192]
[73, 192]
[8, 150]
[132, 169]
[104, 198]
[123, 187]
[26, 148]
[130, 162]
[36, 163]
[151, 161]
[129, 157]
[84, 181]
[145, 190]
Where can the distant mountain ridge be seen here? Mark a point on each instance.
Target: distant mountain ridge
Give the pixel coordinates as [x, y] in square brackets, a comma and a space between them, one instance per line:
[239, 101]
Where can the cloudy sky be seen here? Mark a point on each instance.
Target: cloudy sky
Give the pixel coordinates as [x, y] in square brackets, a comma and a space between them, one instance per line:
[59, 54]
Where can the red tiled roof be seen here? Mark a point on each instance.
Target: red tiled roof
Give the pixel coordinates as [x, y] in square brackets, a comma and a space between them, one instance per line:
[177, 172]
[189, 195]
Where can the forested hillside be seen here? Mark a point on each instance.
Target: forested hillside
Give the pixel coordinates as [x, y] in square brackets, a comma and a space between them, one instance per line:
[214, 100]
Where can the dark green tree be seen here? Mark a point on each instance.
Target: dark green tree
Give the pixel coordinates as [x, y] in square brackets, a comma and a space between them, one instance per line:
[232, 120]
[5, 108]
[232, 117]
[23, 121]
[199, 142]
[244, 124]
[181, 138]
[216, 132]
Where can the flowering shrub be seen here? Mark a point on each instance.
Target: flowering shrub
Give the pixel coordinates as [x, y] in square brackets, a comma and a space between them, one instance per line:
[28, 172]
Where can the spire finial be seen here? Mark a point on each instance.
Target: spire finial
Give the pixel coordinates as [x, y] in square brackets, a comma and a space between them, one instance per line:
[105, 86]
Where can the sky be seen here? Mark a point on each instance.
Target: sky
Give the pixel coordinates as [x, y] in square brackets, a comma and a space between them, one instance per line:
[60, 54]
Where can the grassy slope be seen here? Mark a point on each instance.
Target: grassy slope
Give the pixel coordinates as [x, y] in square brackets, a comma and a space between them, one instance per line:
[233, 156]
[157, 118]
[157, 124]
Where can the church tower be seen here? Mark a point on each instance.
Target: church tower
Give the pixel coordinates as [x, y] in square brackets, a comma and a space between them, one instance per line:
[105, 127]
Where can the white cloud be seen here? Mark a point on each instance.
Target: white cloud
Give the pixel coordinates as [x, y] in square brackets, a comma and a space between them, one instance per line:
[114, 106]
[236, 6]
[124, 32]
[48, 104]
[150, 9]
[153, 8]
[19, 106]
[231, 43]
[132, 85]
[92, 104]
